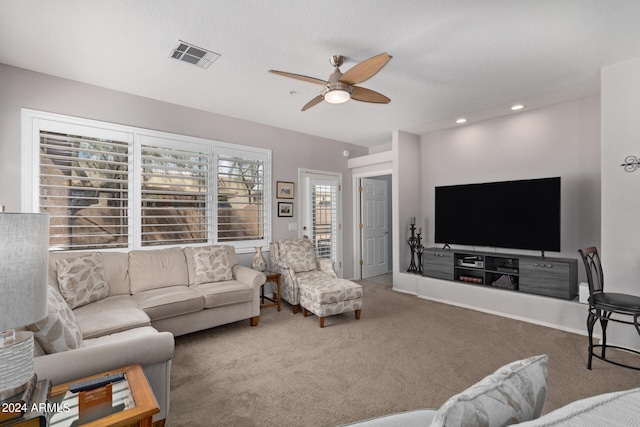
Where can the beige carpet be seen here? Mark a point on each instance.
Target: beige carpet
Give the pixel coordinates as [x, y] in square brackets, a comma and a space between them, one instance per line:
[404, 353]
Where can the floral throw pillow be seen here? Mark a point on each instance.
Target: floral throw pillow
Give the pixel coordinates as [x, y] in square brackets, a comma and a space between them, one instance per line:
[59, 331]
[212, 264]
[81, 279]
[513, 394]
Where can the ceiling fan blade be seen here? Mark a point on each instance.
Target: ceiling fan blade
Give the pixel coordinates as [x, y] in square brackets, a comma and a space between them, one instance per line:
[365, 70]
[368, 95]
[299, 77]
[315, 101]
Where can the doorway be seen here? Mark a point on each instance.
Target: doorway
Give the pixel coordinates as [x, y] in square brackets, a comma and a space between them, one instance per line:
[375, 226]
[320, 213]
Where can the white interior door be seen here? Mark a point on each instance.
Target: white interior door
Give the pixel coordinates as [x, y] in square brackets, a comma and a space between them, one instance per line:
[320, 214]
[374, 227]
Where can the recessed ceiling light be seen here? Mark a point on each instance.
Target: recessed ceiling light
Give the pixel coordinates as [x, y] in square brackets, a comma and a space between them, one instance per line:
[517, 107]
[461, 120]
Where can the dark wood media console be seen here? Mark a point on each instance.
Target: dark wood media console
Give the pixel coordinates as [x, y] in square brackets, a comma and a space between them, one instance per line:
[552, 277]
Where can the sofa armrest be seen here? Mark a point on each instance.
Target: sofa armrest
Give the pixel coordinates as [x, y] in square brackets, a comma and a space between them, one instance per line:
[144, 346]
[246, 275]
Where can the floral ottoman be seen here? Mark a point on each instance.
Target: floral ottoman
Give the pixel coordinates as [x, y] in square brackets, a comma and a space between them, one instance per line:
[329, 296]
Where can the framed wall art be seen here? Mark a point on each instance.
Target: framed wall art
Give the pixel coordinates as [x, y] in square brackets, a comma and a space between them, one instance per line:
[285, 190]
[285, 209]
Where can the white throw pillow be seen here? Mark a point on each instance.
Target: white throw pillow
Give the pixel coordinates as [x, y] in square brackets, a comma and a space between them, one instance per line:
[59, 331]
[81, 279]
[513, 394]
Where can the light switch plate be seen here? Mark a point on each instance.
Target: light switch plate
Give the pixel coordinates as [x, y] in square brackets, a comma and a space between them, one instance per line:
[293, 226]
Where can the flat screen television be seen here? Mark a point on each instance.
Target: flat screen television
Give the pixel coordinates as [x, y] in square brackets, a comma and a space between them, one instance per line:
[522, 214]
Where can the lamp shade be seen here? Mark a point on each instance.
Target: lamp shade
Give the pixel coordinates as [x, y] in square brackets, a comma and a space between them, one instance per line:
[24, 243]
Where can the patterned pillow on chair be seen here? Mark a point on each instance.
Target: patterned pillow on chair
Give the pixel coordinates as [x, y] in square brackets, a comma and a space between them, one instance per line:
[298, 254]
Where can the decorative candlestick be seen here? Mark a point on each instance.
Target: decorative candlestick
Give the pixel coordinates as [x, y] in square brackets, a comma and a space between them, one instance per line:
[419, 250]
[413, 244]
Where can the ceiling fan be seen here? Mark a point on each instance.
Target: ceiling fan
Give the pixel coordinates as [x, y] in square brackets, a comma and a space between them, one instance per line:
[342, 87]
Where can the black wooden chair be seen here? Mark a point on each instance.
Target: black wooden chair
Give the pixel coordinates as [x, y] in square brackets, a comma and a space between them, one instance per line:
[607, 306]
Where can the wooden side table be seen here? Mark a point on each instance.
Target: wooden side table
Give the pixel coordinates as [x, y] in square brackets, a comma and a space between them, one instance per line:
[133, 395]
[275, 278]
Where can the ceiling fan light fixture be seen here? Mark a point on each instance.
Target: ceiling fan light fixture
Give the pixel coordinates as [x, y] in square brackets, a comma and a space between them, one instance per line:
[336, 92]
[337, 96]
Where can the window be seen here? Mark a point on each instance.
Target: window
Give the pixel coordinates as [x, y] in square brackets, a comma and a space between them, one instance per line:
[107, 186]
[84, 185]
[324, 218]
[174, 192]
[241, 188]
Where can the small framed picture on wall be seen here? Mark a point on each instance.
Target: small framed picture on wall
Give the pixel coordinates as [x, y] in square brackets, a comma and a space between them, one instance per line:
[285, 209]
[285, 190]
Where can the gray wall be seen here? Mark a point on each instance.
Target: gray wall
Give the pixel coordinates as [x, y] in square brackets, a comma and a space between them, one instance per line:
[25, 89]
[561, 140]
[620, 248]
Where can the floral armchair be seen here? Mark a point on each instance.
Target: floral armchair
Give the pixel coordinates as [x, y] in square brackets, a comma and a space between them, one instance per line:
[295, 260]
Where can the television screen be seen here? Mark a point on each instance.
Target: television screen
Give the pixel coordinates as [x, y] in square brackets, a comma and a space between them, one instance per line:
[521, 214]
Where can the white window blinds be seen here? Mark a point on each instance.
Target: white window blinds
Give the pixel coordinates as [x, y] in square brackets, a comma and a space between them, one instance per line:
[241, 197]
[84, 186]
[324, 217]
[109, 186]
[174, 191]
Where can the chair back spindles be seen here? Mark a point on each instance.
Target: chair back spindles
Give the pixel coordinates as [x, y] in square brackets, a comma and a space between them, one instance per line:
[593, 268]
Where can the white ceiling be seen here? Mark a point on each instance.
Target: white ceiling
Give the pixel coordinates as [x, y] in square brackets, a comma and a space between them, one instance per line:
[451, 58]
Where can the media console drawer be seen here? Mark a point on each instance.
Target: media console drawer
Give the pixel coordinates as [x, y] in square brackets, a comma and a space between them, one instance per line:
[548, 277]
[437, 264]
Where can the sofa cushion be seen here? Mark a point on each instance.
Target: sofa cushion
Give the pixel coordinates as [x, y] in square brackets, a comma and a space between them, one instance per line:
[224, 293]
[156, 269]
[513, 394]
[611, 409]
[298, 254]
[59, 331]
[81, 279]
[169, 301]
[109, 316]
[210, 264]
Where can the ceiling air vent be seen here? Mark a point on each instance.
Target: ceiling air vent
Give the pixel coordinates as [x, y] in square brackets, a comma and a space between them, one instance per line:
[186, 52]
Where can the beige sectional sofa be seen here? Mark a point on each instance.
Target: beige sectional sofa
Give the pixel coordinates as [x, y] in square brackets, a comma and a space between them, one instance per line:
[125, 308]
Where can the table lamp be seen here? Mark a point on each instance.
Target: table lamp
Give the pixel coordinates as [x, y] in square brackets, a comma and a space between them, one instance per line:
[24, 242]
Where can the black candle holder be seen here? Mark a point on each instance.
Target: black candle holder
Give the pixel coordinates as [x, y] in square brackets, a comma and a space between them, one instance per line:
[415, 244]
[419, 250]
